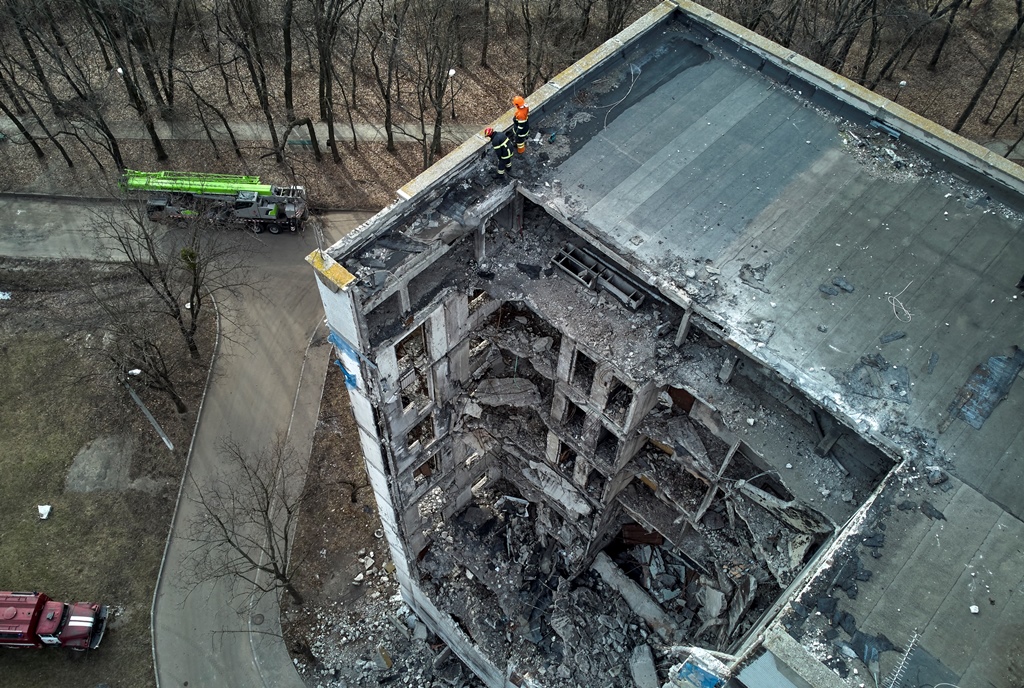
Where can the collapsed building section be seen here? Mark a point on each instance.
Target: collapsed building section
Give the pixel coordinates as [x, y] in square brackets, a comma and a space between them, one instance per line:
[568, 460]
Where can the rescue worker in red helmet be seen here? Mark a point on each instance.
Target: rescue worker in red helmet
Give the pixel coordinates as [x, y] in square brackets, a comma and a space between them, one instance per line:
[520, 124]
[502, 149]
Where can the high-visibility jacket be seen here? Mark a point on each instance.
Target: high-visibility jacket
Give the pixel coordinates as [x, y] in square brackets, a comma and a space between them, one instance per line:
[500, 144]
[521, 124]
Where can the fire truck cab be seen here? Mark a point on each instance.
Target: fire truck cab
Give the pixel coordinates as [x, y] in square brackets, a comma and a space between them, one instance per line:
[32, 619]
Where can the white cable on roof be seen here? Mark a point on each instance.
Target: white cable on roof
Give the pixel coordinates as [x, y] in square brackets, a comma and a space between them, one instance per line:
[898, 309]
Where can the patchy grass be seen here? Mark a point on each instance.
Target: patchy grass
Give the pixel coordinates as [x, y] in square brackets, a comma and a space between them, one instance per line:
[100, 546]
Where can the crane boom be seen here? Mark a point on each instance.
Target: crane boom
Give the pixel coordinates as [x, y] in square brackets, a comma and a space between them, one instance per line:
[194, 183]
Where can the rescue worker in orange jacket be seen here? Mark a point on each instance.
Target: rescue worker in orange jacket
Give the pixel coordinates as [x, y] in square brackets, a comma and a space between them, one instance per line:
[502, 148]
[521, 124]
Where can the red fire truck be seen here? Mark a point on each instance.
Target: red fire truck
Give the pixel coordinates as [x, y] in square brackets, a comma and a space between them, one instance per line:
[31, 619]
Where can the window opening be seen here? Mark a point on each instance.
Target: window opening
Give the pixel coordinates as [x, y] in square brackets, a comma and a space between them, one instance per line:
[620, 397]
[422, 433]
[583, 372]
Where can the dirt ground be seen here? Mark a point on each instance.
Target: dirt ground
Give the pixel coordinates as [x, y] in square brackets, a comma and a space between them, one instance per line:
[72, 438]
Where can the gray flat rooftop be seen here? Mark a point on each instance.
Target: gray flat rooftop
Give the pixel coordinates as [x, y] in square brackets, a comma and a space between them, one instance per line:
[717, 179]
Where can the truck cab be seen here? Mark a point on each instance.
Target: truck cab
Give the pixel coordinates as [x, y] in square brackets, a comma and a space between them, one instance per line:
[32, 619]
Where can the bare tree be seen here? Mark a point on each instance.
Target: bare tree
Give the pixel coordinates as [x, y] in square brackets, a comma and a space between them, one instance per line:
[435, 39]
[180, 265]
[326, 17]
[486, 37]
[933, 63]
[1007, 43]
[386, 30]
[247, 516]
[131, 341]
[242, 22]
[120, 27]
[615, 16]
[26, 134]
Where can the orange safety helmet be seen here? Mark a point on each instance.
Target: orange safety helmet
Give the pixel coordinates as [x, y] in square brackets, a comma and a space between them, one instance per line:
[488, 132]
[519, 101]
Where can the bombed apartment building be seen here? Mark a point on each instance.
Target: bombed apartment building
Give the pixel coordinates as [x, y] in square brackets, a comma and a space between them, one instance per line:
[626, 410]
[565, 448]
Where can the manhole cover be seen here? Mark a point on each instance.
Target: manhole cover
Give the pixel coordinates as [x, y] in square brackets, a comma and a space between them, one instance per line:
[257, 619]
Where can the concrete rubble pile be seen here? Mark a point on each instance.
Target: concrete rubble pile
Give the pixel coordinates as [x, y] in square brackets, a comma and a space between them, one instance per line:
[375, 639]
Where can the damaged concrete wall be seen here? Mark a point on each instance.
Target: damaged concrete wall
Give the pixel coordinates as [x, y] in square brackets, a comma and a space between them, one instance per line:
[540, 447]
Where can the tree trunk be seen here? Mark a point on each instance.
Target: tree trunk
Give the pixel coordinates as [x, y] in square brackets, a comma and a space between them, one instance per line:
[386, 82]
[206, 130]
[579, 37]
[1003, 49]
[289, 106]
[260, 82]
[313, 140]
[1002, 89]
[615, 16]
[1013, 111]
[42, 125]
[11, 95]
[528, 40]
[171, 44]
[1015, 144]
[487, 34]
[872, 48]
[220, 116]
[36, 66]
[21, 127]
[299, 599]
[179, 405]
[158, 145]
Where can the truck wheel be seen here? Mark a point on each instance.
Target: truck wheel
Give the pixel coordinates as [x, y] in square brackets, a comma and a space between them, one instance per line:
[256, 227]
[274, 228]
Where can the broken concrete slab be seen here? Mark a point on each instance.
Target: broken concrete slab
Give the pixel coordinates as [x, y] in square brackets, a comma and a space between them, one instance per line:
[506, 392]
[843, 284]
[799, 516]
[931, 512]
[806, 665]
[642, 669]
[892, 336]
[828, 290]
[875, 377]
[557, 487]
[638, 600]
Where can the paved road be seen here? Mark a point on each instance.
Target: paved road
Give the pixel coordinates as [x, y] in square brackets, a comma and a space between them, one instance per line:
[267, 379]
[199, 638]
[265, 382]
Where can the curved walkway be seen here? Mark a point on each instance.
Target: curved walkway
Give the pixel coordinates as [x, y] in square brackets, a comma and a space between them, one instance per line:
[267, 379]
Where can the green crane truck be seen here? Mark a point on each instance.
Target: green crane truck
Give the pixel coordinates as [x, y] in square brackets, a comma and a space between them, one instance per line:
[223, 198]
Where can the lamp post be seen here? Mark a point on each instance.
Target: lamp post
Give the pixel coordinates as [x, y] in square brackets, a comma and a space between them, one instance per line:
[451, 81]
[899, 90]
